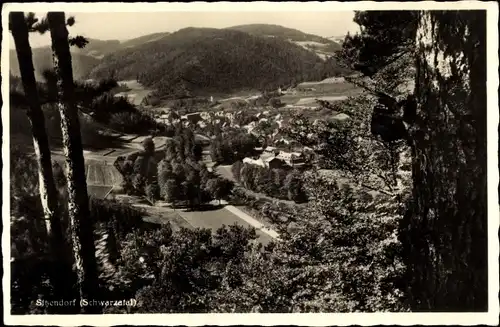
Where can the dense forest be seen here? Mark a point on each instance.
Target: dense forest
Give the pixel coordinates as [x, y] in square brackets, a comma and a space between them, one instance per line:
[202, 60]
[194, 60]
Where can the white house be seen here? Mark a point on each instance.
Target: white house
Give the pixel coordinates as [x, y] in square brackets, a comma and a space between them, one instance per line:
[284, 156]
[341, 117]
[291, 158]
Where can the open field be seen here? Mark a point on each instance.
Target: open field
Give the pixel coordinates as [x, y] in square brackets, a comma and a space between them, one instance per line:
[326, 88]
[99, 174]
[136, 93]
[312, 100]
[99, 191]
[225, 171]
[216, 218]
[160, 215]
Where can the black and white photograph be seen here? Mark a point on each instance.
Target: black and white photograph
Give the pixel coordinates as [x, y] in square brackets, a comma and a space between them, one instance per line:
[286, 163]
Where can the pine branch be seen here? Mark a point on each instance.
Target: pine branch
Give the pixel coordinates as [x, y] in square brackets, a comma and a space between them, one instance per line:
[70, 21]
[41, 27]
[30, 20]
[78, 41]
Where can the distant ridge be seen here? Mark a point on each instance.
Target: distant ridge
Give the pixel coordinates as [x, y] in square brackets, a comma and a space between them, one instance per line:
[279, 31]
[192, 60]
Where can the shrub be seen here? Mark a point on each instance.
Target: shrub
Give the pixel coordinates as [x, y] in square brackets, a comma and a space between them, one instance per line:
[133, 122]
[152, 192]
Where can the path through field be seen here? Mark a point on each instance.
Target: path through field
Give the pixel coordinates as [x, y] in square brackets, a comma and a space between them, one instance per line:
[102, 178]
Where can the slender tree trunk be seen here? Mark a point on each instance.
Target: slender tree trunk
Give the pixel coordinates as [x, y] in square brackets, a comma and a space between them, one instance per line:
[445, 231]
[48, 191]
[78, 201]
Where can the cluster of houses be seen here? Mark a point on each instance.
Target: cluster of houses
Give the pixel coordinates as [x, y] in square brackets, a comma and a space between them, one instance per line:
[273, 158]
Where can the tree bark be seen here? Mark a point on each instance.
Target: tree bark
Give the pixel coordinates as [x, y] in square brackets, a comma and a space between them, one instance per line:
[445, 230]
[78, 201]
[48, 191]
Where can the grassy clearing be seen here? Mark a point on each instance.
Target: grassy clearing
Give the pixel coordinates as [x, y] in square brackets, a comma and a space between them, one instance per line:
[136, 93]
[158, 215]
[98, 191]
[100, 174]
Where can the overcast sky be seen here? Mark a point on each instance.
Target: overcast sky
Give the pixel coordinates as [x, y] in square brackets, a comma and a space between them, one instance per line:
[127, 25]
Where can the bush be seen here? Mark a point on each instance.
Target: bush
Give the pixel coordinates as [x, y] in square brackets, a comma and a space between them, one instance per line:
[152, 192]
[33, 266]
[278, 183]
[133, 122]
[275, 103]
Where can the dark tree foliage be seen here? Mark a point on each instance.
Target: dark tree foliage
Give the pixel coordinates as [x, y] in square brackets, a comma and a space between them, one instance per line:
[384, 38]
[444, 230]
[32, 266]
[232, 145]
[285, 184]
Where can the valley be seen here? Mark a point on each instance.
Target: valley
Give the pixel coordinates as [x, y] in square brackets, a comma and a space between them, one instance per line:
[218, 162]
[104, 181]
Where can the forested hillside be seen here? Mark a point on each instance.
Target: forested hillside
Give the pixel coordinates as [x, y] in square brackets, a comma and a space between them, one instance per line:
[99, 48]
[280, 31]
[194, 60]
[84, 59]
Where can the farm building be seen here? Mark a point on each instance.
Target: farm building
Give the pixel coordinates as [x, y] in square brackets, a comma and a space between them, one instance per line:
[193, 118]
[266, 162]
[274, 162]
[291, 158]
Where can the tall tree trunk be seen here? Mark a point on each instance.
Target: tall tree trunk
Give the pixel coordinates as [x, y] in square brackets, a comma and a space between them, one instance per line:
[445, 231]
[78, 201]
[48, 191]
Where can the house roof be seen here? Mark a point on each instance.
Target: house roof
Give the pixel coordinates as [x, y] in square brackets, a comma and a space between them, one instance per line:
[341, 116]
[270, 159]
[266, 156]
[284, 154]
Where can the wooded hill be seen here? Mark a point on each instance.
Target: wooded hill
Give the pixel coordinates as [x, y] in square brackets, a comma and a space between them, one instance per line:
[287, 34]
[198, 61]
